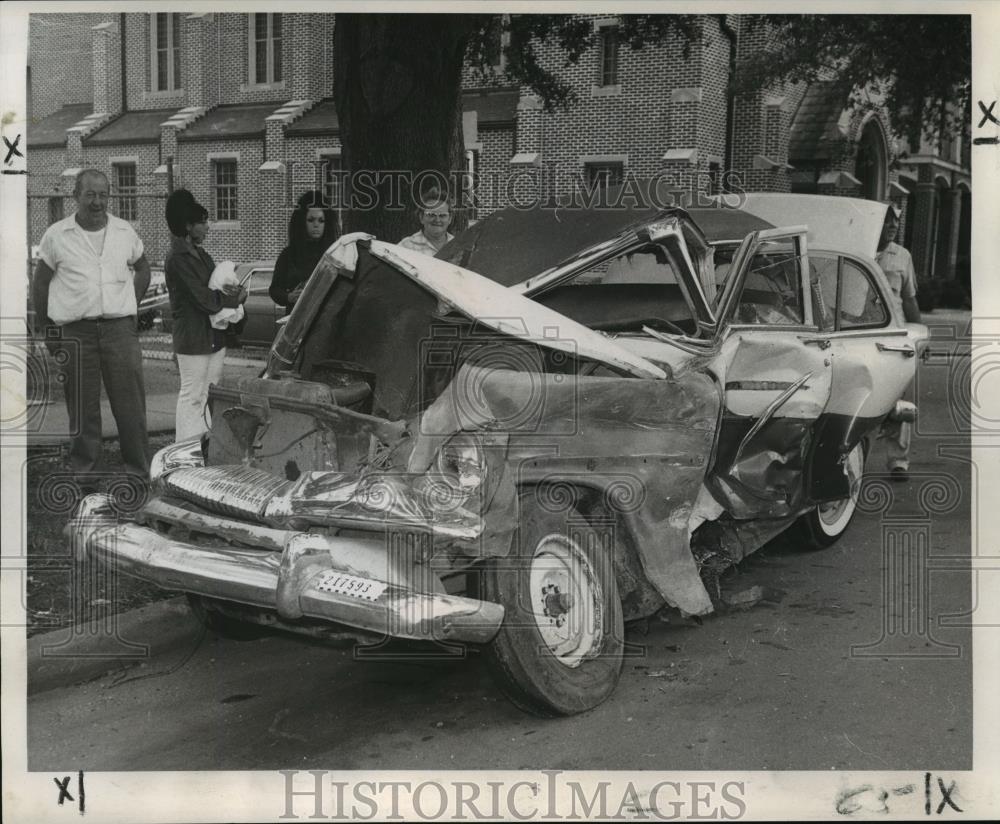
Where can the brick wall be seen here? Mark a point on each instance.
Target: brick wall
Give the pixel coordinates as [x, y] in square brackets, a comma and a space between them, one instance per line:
[300, 159]
[45, 168]
[664, 102]
[60, 56]
[762, 121]
[498, 146]
[138, 83]
[233, 48]
[309, 44]
[234, 241]
[151, 225]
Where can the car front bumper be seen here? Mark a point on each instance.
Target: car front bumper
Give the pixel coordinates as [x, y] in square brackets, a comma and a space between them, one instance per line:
[288, 582]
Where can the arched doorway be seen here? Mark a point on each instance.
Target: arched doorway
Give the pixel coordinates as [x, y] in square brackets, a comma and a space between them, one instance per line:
[872, 161]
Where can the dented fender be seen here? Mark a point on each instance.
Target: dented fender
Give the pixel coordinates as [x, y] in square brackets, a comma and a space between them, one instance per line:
[644, 445]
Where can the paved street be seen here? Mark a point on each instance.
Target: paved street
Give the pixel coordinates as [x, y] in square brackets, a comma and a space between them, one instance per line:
[842, 666]
[47, 421]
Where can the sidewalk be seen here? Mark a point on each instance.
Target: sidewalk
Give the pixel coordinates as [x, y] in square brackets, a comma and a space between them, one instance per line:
[48, 421]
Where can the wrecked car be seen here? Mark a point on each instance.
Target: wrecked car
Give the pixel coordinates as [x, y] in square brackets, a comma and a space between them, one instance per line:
[567, 420]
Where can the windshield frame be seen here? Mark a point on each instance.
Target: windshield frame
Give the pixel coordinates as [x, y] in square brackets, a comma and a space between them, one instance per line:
[668, 233]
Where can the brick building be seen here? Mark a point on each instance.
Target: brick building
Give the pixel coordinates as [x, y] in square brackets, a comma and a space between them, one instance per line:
[237, 107]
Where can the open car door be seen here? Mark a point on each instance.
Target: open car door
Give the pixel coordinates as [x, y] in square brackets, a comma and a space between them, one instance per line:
[777, 384]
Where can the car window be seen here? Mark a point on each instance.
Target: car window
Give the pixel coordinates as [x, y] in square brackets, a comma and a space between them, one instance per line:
[771, 292]
[722, 260]
[648, 264]
[860, 303]
[260, 281]
[823, 290]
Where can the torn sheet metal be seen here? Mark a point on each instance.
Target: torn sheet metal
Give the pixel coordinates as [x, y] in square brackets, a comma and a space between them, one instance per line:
[643, 445]
[380, 501]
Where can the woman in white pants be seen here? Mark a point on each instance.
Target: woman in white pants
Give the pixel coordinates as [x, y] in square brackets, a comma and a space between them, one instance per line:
[200, 348]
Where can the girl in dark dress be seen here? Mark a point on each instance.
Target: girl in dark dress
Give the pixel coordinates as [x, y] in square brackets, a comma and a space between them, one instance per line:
[311, 231]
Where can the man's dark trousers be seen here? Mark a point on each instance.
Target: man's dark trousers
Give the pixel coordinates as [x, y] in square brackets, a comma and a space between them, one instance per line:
[108, 350]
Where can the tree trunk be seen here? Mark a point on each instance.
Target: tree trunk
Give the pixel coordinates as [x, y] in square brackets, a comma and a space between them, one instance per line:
[397, 86]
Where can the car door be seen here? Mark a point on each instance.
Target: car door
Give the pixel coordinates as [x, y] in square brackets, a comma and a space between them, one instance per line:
[874, 359]
[776, 384]
[262, 312]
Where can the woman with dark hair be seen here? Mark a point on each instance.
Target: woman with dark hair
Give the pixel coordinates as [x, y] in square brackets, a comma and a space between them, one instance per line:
[200, 348]
[311, 231]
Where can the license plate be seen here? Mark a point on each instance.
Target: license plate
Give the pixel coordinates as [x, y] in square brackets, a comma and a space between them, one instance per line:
[353, 585]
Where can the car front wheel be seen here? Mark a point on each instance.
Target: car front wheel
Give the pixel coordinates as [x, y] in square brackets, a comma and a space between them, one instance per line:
[827, 522]
[560, 648]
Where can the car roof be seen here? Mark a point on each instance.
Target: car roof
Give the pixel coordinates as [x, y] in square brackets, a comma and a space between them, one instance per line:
[513, 244]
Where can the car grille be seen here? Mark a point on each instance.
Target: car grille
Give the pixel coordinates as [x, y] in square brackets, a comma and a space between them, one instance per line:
[240, 491]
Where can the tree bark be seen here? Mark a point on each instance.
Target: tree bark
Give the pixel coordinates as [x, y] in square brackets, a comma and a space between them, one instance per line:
[397, 87]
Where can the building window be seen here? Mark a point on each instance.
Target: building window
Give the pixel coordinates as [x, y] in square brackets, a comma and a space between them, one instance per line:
[609, 56]
[330, 179]
[602, 175]
[470, 180]
[265, 49]
[125, 191]
[165, 34]
[497, 38]
[224, 188]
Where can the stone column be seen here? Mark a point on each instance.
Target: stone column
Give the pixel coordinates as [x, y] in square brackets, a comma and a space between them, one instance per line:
[955, 195]
[923, 230]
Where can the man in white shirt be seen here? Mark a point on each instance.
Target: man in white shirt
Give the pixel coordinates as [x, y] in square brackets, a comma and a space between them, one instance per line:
[897, 264]
[435, 218]
[83, 286]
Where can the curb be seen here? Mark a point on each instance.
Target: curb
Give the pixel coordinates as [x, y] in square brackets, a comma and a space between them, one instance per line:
[84, 652]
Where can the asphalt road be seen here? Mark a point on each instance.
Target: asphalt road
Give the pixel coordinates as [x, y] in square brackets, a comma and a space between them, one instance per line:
[845, 665]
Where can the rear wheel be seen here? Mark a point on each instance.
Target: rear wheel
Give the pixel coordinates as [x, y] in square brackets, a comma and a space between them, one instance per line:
[824, 525]
[560, 648]
[223, 625]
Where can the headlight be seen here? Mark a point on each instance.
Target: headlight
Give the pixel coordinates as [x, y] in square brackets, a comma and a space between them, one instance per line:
[461, 463]
[177, 455]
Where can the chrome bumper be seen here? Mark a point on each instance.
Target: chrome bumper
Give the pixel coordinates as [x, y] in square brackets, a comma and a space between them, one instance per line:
[286, 581]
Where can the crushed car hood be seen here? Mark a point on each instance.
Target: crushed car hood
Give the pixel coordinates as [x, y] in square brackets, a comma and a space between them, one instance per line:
[380, 306]
[498, 308]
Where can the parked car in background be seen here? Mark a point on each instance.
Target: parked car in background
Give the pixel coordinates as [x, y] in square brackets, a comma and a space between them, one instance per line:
[262, 313]
[566, 420]
[156, 301]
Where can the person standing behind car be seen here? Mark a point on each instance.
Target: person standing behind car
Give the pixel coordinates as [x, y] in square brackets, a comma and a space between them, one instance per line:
[312, 229]
[200, 348]
[897, 265]
[435, 218]
[83, 286]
